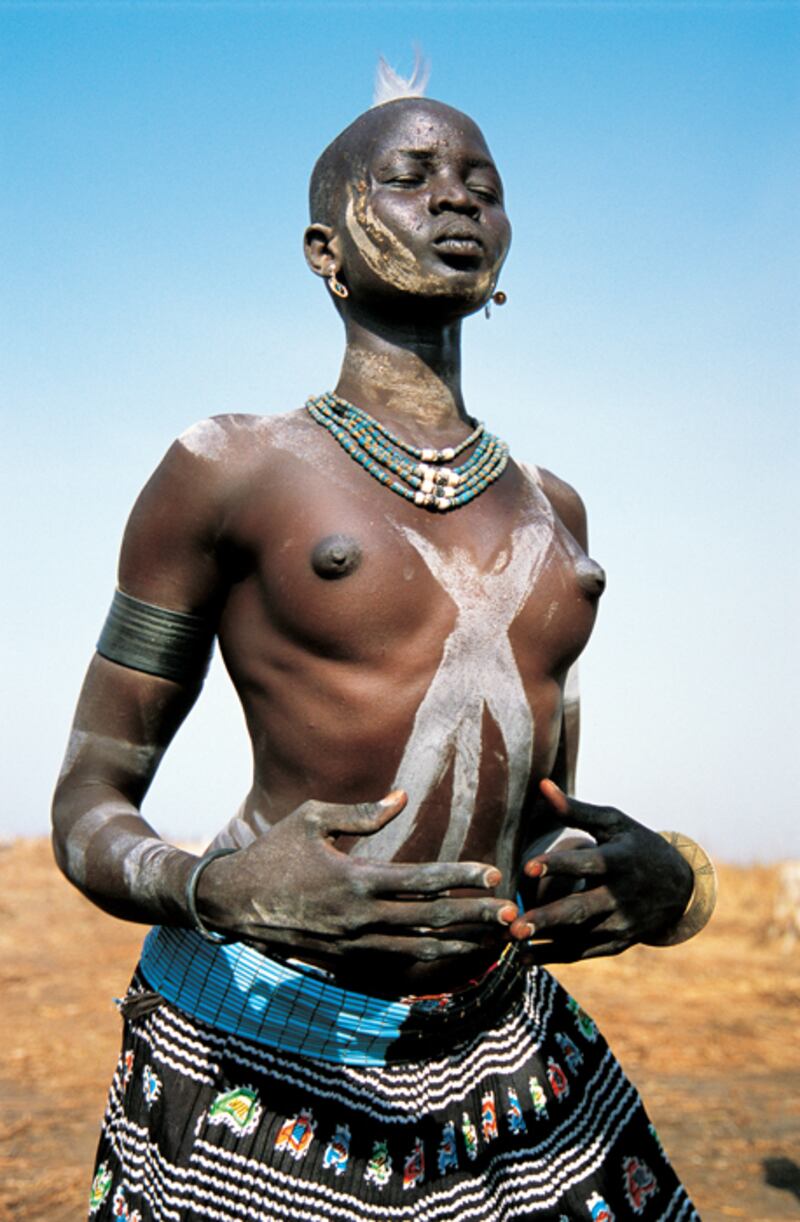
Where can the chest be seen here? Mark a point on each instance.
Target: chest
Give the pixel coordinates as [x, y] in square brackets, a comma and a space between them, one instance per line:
[348, 570]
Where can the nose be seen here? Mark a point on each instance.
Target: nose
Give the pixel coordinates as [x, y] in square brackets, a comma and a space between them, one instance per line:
[449, 193]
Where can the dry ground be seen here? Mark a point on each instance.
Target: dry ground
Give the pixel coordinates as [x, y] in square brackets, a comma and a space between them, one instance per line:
[708, 1031]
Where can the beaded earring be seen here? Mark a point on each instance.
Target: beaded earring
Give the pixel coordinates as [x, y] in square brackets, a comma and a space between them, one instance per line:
[336, 286]
[499, 298]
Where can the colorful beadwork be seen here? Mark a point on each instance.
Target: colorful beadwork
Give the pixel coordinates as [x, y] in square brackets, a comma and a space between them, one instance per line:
[488, 1116]
[379, 1167]
[414, 1167]
[151, 1085]
[448, 1152]
[296, 1134]
[337, 1151]
[585, 1024]
[238, 1109]
[557, 1079]
[571, 1055]
[470, 1135]
[422, 477]
[516, 1120]
[101, 1186]
[599, 1210]
[639, 1183]
[120, 1208]
[538, 1098]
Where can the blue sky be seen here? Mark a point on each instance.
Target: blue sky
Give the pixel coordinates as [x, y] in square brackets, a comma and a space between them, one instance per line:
[153, 168]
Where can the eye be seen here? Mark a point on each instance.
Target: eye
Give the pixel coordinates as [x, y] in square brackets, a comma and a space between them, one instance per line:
[406, 180]
[483, 191]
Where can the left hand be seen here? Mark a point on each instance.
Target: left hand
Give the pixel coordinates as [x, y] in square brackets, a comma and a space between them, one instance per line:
[634, 884]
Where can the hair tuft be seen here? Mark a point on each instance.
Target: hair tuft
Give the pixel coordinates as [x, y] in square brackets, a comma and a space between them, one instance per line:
[390, 85]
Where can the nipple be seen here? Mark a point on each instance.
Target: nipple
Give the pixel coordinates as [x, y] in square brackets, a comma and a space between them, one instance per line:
[335, 556]
[591, 577]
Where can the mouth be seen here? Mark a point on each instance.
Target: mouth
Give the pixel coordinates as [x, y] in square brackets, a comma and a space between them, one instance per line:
[459, 241]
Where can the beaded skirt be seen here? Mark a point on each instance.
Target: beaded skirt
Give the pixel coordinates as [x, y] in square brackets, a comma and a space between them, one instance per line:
[510, 1110]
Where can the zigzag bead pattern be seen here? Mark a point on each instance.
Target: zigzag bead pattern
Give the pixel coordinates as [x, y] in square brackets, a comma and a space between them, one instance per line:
[422, 477]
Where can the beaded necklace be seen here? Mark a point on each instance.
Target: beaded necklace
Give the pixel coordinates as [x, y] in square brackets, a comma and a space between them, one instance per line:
[422, 477]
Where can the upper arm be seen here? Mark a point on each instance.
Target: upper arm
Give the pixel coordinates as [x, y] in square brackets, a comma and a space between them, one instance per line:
[169, 557]
[567, 504]
[171, 546]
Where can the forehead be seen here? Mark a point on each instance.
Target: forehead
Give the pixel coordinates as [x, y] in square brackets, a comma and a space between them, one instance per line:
[425, 128]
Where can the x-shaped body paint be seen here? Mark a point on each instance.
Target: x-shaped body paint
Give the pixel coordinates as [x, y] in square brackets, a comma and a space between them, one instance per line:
[477, 671]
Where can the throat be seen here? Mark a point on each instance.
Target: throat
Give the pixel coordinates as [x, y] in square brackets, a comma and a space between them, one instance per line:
[410, 380]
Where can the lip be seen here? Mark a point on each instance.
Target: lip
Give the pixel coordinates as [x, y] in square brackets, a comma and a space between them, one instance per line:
[459, 240]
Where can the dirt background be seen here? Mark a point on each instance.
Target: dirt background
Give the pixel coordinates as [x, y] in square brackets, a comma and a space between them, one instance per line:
[707, 1031]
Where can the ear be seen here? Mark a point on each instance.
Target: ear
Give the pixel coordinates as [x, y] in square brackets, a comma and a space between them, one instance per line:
[321, 248]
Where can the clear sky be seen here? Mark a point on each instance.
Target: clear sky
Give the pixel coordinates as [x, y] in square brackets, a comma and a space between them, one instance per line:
[152, 184]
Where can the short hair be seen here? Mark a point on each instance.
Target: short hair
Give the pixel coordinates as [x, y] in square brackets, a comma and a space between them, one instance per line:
[345, 157]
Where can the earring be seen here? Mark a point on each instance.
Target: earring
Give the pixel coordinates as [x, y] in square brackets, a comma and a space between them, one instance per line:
[336, 286]
[499, 298]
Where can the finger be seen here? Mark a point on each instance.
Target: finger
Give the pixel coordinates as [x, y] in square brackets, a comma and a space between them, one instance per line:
[602, 821]
[429, 878]
[441, 913]
[590, 862]
[360, 819]
[557, 951]
[578, 909]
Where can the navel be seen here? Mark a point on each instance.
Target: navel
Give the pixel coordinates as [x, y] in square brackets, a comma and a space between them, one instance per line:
[591, 577]
[336, 556]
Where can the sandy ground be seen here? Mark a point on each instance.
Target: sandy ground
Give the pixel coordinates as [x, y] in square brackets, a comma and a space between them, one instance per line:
[708, 1031]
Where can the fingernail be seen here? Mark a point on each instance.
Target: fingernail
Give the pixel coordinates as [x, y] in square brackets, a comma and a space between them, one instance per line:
[535, 869]
[392, 798]
[491, 878]
[525, 930]
[507, 914]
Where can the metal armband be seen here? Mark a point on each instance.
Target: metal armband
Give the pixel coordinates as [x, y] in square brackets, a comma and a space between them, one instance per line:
[703, 899]
[171, 644]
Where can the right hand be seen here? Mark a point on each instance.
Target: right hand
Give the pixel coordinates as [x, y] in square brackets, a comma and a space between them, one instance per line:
[293, 889]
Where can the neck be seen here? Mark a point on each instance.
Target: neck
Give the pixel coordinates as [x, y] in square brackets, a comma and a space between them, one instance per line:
[410, 375]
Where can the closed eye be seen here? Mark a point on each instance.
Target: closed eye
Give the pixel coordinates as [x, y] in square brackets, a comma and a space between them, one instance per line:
[484, 192]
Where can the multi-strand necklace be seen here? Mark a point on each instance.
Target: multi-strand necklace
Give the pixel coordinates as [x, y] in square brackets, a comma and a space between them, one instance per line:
[419, 475]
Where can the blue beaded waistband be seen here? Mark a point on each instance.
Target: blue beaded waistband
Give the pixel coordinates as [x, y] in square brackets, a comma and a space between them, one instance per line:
[298, 1008]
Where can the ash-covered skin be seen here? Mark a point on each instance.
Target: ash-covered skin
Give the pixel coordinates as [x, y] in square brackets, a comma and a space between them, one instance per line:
[337, 677]
[389, 257]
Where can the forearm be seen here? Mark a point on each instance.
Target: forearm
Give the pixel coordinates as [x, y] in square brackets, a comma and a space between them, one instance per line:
[115, 858]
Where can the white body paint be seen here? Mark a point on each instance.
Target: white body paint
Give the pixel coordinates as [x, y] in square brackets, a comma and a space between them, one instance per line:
[477, 672]
[140, 757]
[83, 832]
[206, 439]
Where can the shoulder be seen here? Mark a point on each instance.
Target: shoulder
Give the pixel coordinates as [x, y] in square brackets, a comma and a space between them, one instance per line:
[238, 437]
[565, 501]
[207, 470]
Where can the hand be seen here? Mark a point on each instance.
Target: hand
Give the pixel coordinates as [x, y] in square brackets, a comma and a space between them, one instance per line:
[633, 883]
[293, 889]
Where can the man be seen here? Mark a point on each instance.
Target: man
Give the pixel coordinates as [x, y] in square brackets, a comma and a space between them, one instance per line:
[333, 1019]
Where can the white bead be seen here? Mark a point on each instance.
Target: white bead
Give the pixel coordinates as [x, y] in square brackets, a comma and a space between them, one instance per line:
[420, 498]
[429, 456]
[448, 455]
[442, 502]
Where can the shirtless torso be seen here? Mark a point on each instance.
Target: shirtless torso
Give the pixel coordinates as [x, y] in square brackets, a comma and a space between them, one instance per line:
[375, 646]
